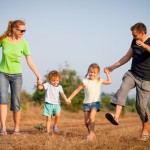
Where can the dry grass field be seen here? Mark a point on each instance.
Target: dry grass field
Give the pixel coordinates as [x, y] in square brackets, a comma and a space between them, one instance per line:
[73, 131]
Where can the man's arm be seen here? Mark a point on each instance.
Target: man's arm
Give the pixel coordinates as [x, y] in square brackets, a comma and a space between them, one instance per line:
[145, 46]
[122, 61]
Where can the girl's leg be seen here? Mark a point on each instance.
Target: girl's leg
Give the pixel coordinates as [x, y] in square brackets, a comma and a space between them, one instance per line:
[87, 121]
[3, 115]
[92, 124]
[48, 124]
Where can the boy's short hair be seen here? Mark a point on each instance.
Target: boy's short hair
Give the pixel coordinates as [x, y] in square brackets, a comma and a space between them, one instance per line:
[54, 74]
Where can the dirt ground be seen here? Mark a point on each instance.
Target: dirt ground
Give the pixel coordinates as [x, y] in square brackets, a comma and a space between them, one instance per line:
[73, 133]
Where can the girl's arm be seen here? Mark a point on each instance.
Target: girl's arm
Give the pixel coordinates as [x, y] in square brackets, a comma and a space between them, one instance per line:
[34, 69]
[108, 81]
[76, 91]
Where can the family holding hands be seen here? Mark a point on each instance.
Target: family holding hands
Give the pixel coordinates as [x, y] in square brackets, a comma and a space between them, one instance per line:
[14, 46]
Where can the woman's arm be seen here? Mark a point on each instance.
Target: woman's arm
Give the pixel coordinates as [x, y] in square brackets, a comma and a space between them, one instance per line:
[34, 69]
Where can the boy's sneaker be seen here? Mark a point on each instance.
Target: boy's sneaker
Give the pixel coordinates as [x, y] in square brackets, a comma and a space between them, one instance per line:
[56, 129]
[46, 133]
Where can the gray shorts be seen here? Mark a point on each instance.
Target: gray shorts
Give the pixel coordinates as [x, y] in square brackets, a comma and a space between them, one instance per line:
[130, 81]
[15, 83]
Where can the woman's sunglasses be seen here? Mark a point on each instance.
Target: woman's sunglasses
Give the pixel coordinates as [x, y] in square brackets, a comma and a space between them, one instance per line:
[22, 31]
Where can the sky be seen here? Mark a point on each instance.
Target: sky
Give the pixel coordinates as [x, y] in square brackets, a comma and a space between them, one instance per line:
[76, 32]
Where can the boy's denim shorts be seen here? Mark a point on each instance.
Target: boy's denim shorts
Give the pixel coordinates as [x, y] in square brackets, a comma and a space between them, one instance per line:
[90, 106]
[15, 82]
[51, 109]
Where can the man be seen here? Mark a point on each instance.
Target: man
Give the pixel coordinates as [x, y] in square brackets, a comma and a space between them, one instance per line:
[137, 77]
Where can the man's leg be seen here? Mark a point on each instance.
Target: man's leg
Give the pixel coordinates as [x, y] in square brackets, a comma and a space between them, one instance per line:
[142, 96]
[119, 99]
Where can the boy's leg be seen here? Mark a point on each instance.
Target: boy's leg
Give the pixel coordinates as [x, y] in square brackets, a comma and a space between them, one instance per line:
[57, 116]
[48, 124]
[56, 112]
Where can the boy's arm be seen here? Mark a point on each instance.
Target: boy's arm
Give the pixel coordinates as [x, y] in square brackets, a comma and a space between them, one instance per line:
[64, 96]
[76, 91]
[108, 81]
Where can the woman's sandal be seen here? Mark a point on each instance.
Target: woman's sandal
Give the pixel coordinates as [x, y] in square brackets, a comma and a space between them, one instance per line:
[16, 133]
[3, 133]
[144, 137]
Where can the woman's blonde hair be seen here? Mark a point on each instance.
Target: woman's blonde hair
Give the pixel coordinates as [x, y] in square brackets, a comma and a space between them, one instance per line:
[93, 66]
[53, 74]
[11, 25]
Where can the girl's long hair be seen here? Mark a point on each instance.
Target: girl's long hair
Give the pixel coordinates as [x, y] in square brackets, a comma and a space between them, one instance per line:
[11, 25]
[93, 66]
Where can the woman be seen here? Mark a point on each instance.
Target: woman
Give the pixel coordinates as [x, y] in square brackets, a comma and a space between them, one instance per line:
[13, 47]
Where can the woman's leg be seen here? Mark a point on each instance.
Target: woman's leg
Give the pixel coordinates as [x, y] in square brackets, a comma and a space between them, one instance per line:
[4, 85]
[16, 117]
[3, 115]
[15, 87]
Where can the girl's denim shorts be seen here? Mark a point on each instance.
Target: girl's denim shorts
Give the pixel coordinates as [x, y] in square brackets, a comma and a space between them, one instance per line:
[90, 106]
[15, 83]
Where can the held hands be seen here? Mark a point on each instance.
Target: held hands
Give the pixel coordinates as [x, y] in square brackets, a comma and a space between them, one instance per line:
[39, 80]
[107, 70]
[68, 102]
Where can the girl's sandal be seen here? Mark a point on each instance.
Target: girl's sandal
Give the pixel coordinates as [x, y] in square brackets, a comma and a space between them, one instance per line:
[144, 137]
[3, 133]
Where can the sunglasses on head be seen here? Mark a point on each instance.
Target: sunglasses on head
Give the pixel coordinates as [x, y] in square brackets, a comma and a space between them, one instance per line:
[22, 31]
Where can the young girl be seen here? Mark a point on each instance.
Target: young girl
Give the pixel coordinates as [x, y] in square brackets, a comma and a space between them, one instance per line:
[52, 99]
[91, 85]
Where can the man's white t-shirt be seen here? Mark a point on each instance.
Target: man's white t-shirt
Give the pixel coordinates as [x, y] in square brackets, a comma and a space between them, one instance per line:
[52, 94]
[91, 90]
